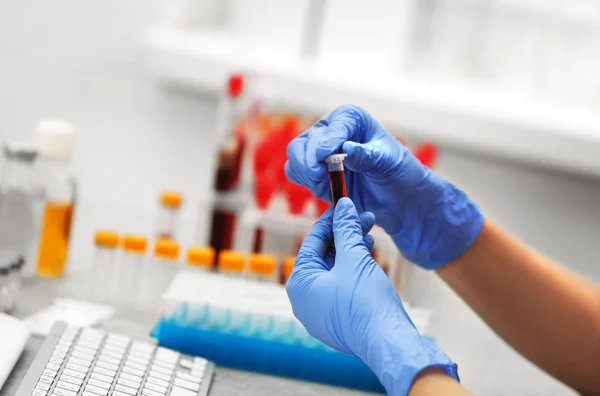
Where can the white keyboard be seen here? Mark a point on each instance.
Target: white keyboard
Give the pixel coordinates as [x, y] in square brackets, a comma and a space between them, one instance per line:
[75, 361]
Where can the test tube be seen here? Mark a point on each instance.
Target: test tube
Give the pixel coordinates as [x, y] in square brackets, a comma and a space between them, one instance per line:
[132, 266]
[201, 258]
[168, 215]
[263, 267]
[104, 265]
[288, 264]
[15, 280]
[5, 292]
[166, 253]
[337, 179]
[231, 263]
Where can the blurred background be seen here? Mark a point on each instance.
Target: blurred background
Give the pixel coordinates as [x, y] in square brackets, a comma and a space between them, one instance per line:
[506, 90]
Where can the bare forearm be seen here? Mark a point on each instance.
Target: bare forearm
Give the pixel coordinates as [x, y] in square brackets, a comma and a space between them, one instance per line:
[434, 381]
[548, 314]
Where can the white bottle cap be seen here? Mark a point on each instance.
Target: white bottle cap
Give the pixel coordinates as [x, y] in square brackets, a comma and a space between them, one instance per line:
[54, 138]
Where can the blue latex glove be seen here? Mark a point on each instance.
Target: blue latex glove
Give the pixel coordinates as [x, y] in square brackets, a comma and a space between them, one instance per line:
[353, 307]
[430, 220]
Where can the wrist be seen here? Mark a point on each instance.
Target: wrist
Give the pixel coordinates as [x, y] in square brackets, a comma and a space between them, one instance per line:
[398, 359]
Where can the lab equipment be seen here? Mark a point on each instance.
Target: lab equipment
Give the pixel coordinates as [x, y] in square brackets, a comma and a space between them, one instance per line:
[251, 327]
[54, 141]
[14, 338]
[133, 263]
[336, 306]
[5, 289]
[337, 179]
[168, 215]
[380, 173]
[21, 206]
[163, 268]
[229, 161]
[201, 257]
[104, 266]
[231, 263]
[15, 282]
[264, 267]
[286, 269]
[74, 360]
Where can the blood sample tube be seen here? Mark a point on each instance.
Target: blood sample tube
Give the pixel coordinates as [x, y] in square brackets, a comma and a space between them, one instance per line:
[231, 263]
[335, 166]
[201, 257]
[263, 267]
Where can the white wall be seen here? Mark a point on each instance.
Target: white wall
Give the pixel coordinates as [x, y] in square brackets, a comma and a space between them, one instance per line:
[80, 60]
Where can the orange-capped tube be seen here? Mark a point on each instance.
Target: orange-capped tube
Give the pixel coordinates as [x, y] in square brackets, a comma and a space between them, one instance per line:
[106, 239]
[263, 266]
[131, 280]
[288, 264]
[201, 257]
[231, 262]
[135, 244]
[103, 265]
[168, 214]
[166, 249]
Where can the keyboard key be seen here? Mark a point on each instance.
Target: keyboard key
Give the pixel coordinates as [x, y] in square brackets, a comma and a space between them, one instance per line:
[101, 370]
[109, 360]
[166, 355]
[39, 392]
[118, 339]
[141, 354]
[107, 365]
[186, 363]
[80, 362]
[200, 362]
[53, 366]
[57, 358]
[83, 356]
[197, 372]
[46, 380]
[156, 381]
[49, 373]
[88, 344]
[101, 377]
[42, 386]
[99, 384]
[63, 392]
[126, 389]
[89, 332]
[131, 377]
[162, 370]
[68, 386]
[77, 367]
[160, 376]
[117, 393]
[162, 363]
[149, 392]
[71, 380]
[85, 350]
[188, 377]
[129, 370]
[142, 346]
[132, 384]
[97, 390]
[135, 365]
[187, 384]
[61, 349]
[114, 349]
[138, 360]
[157, 388]
[86, 393]
[177, 391]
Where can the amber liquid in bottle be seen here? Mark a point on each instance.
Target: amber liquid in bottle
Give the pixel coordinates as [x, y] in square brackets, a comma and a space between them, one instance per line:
[54, 239]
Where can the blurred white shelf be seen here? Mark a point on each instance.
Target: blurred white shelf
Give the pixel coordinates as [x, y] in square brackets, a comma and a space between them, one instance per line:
[467, 117]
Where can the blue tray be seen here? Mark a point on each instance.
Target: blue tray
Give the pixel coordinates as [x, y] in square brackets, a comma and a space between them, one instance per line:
[267, 356]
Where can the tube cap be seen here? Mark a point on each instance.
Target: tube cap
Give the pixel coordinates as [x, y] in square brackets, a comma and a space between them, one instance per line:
[135, 244]
[165, 248]
[263, 264]
[230, 261]
[201, 256]
[171, 199]
[288, 264]
[107, 239]
[54, 138]
[235, 85]
[336, 158]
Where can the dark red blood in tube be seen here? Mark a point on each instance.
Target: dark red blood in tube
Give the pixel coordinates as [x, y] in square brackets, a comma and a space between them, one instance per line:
[338, 185]
[259, 234]
[223, 225]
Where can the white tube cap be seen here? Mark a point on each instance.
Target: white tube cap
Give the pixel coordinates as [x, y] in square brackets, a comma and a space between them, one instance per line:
[54, 138]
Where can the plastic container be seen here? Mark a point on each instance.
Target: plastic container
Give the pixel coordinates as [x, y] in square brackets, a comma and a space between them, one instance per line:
[54, 140]
[168, 215]
[132, 267]
[231, 263]
[163, 267]
[201, 258]
[264, 267]
[103, 281]
[21, 206]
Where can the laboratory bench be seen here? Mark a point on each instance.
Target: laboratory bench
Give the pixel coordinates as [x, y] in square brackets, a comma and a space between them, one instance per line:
[37, 294]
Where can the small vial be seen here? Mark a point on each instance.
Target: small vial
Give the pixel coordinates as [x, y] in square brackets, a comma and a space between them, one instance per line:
[131, 268]
[288, 264]
[166, 253]
[335, 166]
[5, 291]
[104, 265]
[231, 263]
[201, 258]
[15, 281]
[168, 215]
[263, 267]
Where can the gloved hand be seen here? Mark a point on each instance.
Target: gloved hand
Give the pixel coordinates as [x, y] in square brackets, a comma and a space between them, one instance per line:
[430, 220]
[353, 307]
